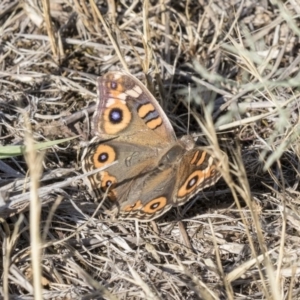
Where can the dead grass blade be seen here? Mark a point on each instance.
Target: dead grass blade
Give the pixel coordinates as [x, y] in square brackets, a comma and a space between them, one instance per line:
[35, 166]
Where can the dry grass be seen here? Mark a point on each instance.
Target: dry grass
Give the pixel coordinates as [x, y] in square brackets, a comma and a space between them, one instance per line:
[234, 64]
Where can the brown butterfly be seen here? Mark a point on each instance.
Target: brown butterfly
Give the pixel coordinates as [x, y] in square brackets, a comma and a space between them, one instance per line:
[155, 170]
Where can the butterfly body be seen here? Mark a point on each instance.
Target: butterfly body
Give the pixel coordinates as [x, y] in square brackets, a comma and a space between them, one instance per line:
[155, 170]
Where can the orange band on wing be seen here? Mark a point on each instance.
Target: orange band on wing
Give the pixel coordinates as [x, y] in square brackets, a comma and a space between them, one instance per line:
[145, 109]
[202, 158]
[155, 205]
[103, 155]
[196, 178]
[154, 123]
[196, 160]
[191, 183]
[116, 117]
[137, 205]
[107, 181]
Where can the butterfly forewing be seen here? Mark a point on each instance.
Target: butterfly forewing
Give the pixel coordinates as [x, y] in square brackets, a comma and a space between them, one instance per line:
[126, 108]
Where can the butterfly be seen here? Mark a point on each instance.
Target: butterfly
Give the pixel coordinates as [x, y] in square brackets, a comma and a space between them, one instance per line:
[155, 171]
